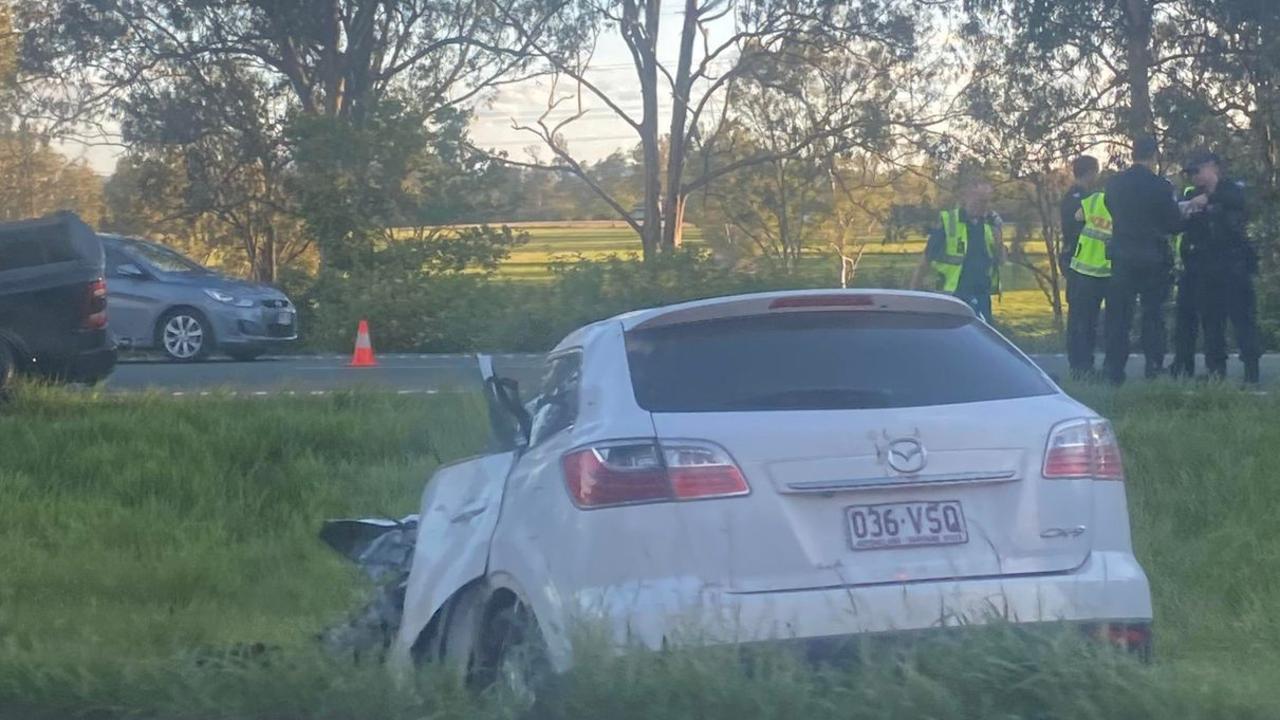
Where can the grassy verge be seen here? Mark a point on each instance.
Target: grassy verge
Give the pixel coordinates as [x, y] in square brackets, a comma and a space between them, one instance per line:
[135, 532]
[160, 561]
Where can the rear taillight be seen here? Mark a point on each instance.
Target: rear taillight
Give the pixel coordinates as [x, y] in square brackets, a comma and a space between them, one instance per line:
[1084, 448]
[1134, 637]
[95, 305]
[646, 471]
[822, 301]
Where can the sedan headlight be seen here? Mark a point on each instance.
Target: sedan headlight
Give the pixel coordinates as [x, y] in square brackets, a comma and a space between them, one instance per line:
[228, 298]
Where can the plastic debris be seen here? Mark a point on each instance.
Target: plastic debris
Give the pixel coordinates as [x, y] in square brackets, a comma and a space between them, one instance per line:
[383, 549]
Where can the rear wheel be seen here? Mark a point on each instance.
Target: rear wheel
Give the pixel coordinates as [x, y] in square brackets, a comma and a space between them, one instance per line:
[184, 335]
[511, 656]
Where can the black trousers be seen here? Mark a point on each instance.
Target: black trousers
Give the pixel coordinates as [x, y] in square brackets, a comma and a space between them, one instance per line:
[1085, 294]
[1131, 283]
[1228, 296]
[1186, 323]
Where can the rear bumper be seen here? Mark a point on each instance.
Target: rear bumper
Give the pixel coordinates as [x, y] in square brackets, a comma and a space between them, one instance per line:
[1109, 587]
[94, 366]
[91, 364]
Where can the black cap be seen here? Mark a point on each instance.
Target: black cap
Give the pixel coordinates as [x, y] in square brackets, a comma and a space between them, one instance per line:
[1200, 157]
[1145, 147]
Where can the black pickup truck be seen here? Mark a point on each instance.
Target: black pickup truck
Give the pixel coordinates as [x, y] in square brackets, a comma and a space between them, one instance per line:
[53, 301]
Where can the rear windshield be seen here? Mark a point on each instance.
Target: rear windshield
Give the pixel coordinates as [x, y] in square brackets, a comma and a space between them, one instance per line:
[40, 245]
[826, 361]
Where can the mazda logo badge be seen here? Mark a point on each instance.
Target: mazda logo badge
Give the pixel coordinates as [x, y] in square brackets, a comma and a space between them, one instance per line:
[907, 456]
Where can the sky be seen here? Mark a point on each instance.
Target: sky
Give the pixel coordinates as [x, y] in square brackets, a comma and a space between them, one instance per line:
[591, 138]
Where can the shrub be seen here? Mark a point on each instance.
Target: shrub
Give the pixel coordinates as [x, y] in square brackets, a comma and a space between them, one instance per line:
[533, 318]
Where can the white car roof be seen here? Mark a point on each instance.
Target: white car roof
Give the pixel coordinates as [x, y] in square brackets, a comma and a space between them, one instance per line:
[861, 300]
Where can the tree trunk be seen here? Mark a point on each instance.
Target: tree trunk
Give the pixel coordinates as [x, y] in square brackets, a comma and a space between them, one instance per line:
[673, 207]
[677, 223]
[1264, 122]
[1138, 43]
[647, 53]
[784, 217]
[331, 60]
[1046, 209]
[269, 256]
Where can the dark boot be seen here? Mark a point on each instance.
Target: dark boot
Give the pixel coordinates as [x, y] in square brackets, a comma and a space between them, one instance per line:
[1154, 370]
[1183, 368]
[1252, 374]
[1216, 372]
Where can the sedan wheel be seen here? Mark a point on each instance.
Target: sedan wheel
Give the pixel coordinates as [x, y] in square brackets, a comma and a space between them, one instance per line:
[183, 337]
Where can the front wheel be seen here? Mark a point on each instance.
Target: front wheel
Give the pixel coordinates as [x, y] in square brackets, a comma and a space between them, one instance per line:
[184, 335]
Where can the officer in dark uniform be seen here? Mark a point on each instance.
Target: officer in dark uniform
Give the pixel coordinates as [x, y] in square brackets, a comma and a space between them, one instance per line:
[1144, 214]
[1085, 289]
[1221, 263]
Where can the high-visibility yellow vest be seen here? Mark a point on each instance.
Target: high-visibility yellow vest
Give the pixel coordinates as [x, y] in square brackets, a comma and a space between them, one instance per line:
[1187, 192]
[949, 264]
[1090, 257]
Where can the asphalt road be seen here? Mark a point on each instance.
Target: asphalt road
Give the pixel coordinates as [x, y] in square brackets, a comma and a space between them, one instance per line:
[406, 374]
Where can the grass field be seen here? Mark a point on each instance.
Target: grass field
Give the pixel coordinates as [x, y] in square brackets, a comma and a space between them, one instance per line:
[146, 542]
[1023, 308]
[595, 240]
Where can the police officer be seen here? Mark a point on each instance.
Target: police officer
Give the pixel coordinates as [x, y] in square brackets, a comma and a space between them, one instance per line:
[1217, 246]
[1144, 213]
[1086, 230]
[966, 251]
[1186, 315]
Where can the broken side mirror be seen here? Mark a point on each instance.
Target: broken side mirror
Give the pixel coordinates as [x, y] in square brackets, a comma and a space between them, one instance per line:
[510, 423]
[507, 391]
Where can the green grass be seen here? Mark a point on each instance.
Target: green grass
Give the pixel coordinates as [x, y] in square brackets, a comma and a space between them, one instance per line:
[135, 531]
[1024, 308]
[144, 541]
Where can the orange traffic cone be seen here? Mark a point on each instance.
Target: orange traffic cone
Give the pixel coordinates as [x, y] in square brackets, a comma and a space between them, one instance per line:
[363, 356]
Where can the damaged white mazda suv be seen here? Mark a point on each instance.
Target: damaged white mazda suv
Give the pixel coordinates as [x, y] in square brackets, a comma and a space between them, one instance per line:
[780, 466]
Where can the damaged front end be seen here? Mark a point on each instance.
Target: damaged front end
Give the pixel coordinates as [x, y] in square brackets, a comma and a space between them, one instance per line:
[383, 549]
[459, 512]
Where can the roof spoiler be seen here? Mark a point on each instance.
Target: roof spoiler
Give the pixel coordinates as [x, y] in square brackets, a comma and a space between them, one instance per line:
[803, 301]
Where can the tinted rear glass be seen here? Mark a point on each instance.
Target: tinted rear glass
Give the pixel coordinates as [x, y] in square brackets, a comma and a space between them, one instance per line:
[35, 246]
[826, 361]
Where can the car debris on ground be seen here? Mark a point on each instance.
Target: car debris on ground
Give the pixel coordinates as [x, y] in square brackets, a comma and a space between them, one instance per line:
[383, 550]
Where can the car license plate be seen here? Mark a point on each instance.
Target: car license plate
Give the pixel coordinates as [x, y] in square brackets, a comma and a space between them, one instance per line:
[906, 524]
[284, 318]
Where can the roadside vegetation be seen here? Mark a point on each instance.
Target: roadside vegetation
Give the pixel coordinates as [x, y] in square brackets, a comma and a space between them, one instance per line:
[160, 561]
[550, 278]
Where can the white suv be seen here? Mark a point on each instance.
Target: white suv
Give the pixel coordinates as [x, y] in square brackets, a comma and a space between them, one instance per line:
[778, 466]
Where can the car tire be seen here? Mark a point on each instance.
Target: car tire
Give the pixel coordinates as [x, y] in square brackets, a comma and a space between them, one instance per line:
[184, 335]
[511, 656]
[8, 368]
[242, 355]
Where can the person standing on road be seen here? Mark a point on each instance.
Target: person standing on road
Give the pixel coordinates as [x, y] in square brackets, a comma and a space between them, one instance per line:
[1216, 245]
[1144, 214]
[966, 251]
[1086, 232]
